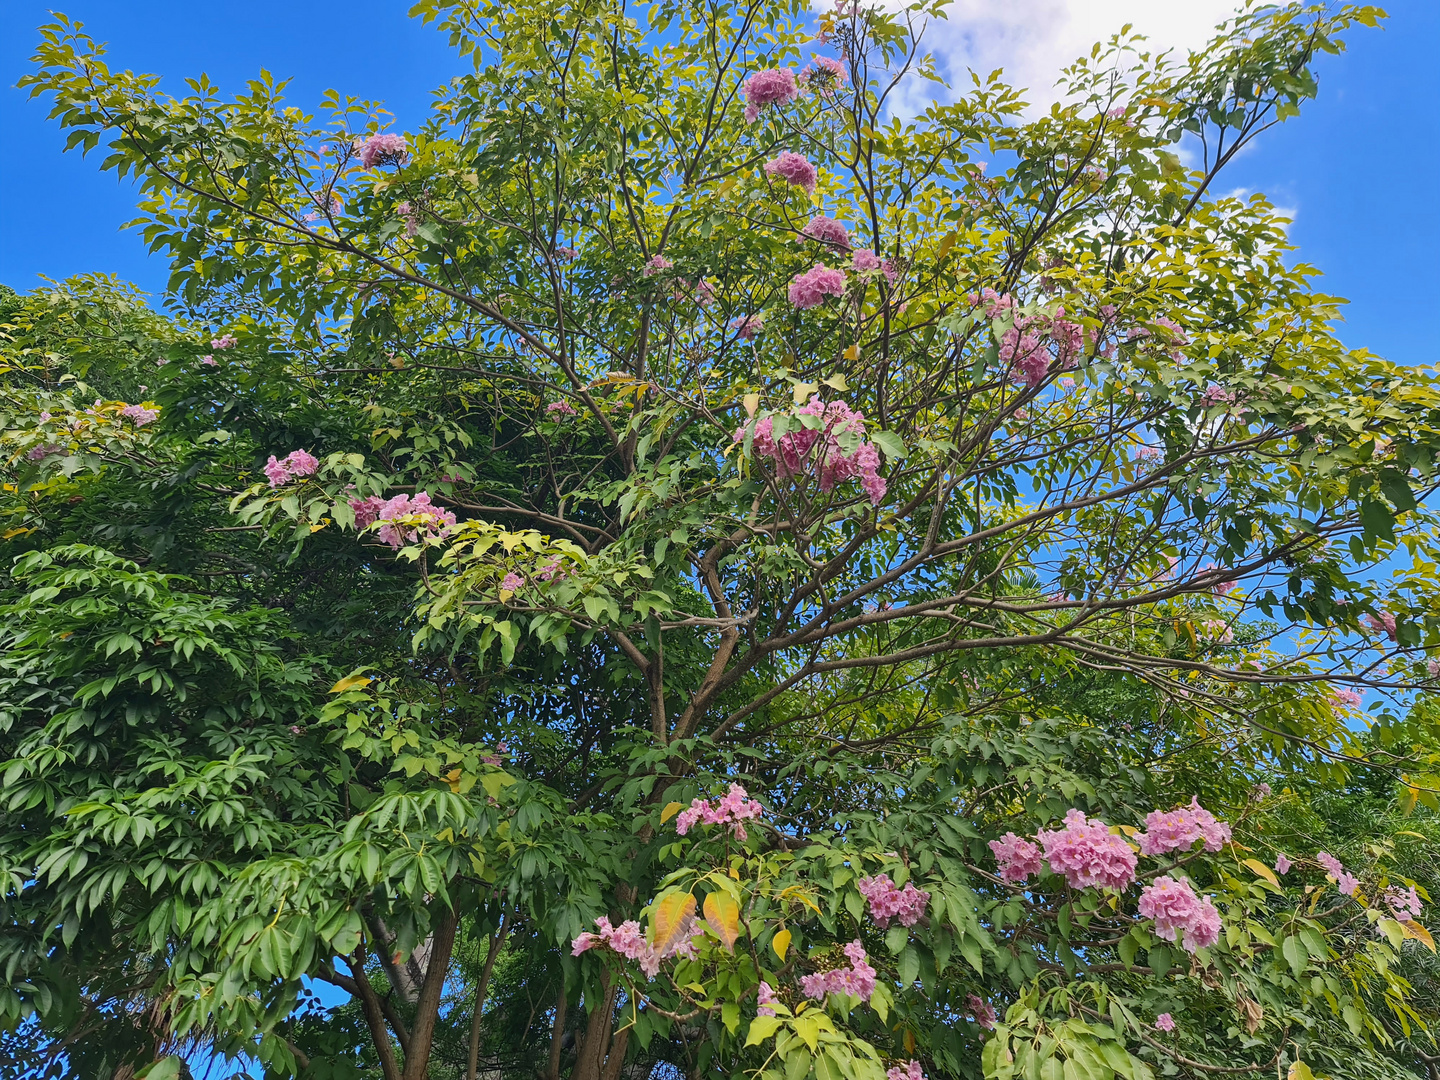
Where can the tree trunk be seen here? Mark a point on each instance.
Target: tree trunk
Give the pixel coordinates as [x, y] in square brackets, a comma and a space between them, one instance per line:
[496, 943]
[616, 1061]
[599, 1018]
[557, 1033]
[427, 1008]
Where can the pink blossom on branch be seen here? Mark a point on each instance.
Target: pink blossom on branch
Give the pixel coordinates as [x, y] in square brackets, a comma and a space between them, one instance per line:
[831, 463]
[826, 76]
[828, 231]
[1383, 622]
[1172, 903]
[382, 148]
[983, 1012]
[1018, 858]
[1282, 864]
[794, 169]
[911, 1070]
[627, 939]
[1088, 854]
[748, 327]
[426, 519]
[563, 408]
[654, 265]
[733, 808]
[297, 463]
[139, 415]
[1177, 830]
[857, 980]
[224, 341]
[775, 86]
[1164, 1022]
[765, 998]
[887, 901]
[1335, 871]
[809, 289]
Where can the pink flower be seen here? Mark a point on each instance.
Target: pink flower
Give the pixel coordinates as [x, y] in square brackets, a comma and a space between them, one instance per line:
[1177, 830]
[1176, 909]
[775, 86]
[809, 289]
[1164, 1022]
[982, 1010]
[833, 464]
[748, 327]
[566, 254]
[39, 453]
[512, 582]
[1018, 858]
[549, 571]
[766, 999]
[1088, 854]
[1347, 883]
[223, 342]
[910, 1071]
[1282, 864]
[139, 415]
[794, 169]
[825, 77]
[424, 518]
[1345, 696]
[888, 902]
[407, 214]
[1433, 667]
[382, 148]
[209, 361]
[731, 809]
[1218, 395]
[296, 463]
[627, 939]
[704, 293]
[866, 260]
[1026, 356]
[564, 408]
[827, 230]
[1405, 903]
[655, 265]
[858, 980]
[1383, 622]
[45, 414]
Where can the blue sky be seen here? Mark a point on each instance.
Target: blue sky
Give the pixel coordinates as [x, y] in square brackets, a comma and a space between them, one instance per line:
[1359, 167]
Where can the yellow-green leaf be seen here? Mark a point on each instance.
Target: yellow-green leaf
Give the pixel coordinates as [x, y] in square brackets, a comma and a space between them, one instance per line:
[781, 943]
[1300, 1071]
[671, 809]
[351, 682]
[761, 1028]
[670, 920]
[1414, 930]
[1261, 870]
[722, 915]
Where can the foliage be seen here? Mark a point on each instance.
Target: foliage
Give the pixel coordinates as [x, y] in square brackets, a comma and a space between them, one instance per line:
[401, 610]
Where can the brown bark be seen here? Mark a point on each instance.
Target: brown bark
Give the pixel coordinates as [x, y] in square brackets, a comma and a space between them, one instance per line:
[427, 1008]
[616, 1061]
[496, 943]
[599, 1018]
[557, 1033]
[374, 1017]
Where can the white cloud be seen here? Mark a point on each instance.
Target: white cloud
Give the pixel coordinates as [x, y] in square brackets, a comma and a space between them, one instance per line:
[1033, 39]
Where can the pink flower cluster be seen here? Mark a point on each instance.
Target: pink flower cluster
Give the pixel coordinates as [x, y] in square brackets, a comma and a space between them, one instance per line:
[1347, 697]
[409, 217]
[887, 902]
[766, 998]
[1383, 622]
[1282, 864]
[1405, 903]
[775, 86]
[654, 265]
[1176, 910]
[794, 169]
[910, 1071]
[1177, 830]
[792, 452]
[39, 453]
[983, 1012]
[139, 415]
[1335, 869]
[827, 230]
[564, 408]
[1164, 1022]
[857, 980]
[825, 77]
[1088, 854]
[628, 940]
[809, 289]
[748, 327]
[866, 260]
[512, 582]
[1218, 395]
[1217, 630]
[1026, 346]
[297, 463]
[224, 341]
[382, 149]
[735, 807]
[1018, 858]
[434, 521]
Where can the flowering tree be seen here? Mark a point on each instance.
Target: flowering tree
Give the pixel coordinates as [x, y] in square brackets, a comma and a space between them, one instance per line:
[669, 560]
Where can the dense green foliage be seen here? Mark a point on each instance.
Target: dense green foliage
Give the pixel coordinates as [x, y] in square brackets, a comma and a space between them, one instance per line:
[1122, 525]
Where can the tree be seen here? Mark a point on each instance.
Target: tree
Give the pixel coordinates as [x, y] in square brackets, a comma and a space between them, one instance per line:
[671, 561]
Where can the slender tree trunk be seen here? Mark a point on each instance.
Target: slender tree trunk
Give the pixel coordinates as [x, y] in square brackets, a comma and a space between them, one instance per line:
[616, 1061]
[557, 1033]
[599, 1019]
[496, 943]
[427, 1008]
[374, 1018]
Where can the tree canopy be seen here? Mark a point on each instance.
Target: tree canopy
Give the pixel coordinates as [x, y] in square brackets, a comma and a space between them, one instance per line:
[684, 562]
